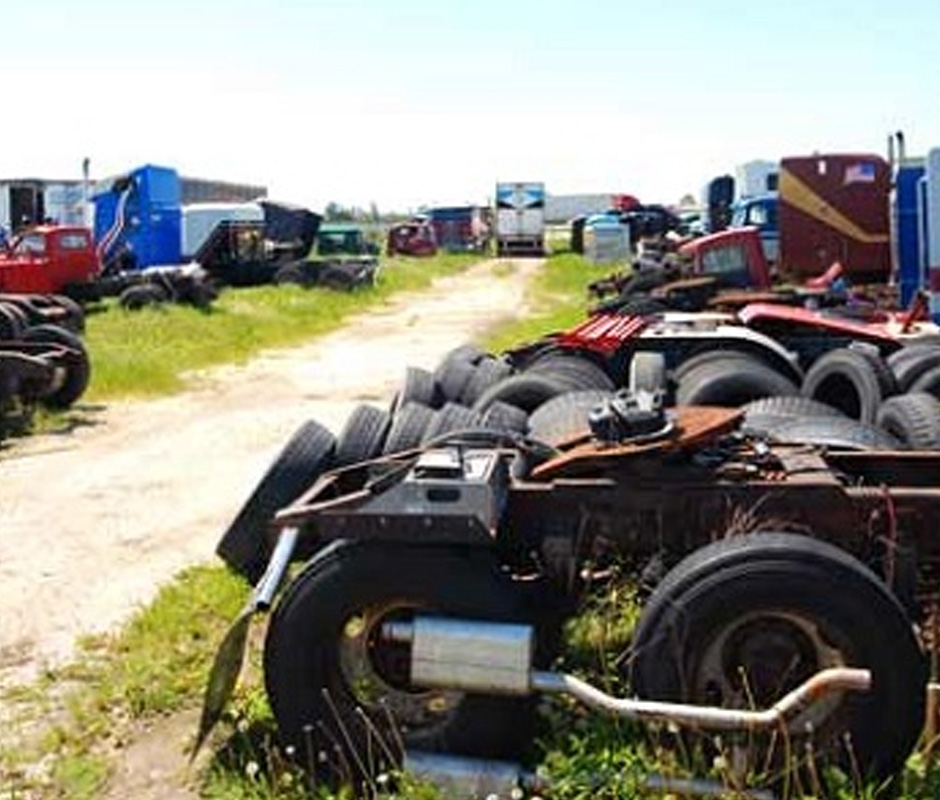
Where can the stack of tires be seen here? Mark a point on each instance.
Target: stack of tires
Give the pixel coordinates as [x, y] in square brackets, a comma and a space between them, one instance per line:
[850, 397]
[470, 393]
[43, 361]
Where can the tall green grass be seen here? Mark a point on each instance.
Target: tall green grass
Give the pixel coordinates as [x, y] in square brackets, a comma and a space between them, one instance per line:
[150, 352]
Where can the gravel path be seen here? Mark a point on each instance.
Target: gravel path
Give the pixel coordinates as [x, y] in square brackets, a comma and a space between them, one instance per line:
[94, 521]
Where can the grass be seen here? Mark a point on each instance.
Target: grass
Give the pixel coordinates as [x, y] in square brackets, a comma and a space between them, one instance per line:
[151, 352]
[558, 299]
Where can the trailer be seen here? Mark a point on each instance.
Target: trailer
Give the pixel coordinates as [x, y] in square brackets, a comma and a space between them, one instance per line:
[520, 219]
[790, 614]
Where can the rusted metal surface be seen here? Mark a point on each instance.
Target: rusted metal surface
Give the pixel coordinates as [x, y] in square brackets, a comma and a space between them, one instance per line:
[694, 427]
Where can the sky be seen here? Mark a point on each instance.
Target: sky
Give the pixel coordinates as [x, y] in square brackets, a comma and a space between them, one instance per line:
[411, 103]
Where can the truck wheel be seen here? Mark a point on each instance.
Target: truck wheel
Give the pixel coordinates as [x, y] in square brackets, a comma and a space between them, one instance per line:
[762, 417]
[731, 382]
[10, 326]
[526, 391]
[841, 433]
[408, 426]
[488, 372]
[342, 695]
[449, 418]
[76, 364]
[453, 376]
[363, 435]
[742, 621]
[418, 386]
[854, 381]
[74, 313]
[565, 416]
[290, 274]
[134, 298]
[245, 546]
[913, 419]
[572, 371]
[909, 363]
[502, 416]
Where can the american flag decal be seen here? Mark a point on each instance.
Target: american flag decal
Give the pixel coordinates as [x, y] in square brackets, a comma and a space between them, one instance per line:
[862, 172]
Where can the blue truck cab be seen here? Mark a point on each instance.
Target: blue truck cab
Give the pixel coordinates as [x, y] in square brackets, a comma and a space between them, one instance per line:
[760, 211]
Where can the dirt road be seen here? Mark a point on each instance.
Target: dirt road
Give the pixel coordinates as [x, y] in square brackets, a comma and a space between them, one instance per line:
[93, 522]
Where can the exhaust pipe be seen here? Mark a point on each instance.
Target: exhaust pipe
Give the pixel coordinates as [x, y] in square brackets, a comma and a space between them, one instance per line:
[494, 657]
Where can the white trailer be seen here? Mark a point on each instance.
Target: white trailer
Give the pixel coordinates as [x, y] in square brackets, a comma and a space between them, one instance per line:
[755, 178]
[520, 218]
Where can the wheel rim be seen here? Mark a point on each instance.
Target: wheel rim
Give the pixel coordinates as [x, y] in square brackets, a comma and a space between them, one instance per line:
[377, 671]
[751, 663]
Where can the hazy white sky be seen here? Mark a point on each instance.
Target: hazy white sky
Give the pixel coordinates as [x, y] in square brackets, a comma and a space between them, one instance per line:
[412, 102]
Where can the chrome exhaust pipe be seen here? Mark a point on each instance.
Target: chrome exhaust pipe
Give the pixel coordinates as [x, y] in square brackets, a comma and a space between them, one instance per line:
[494, 657]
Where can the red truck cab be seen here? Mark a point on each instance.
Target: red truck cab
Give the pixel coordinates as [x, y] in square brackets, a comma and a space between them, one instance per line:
[734, 257]
[48, 259]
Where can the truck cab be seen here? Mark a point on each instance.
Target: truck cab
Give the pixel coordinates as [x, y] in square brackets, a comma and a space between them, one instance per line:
[760, 211]
[48, 259]
[340, 239]
[734, 257]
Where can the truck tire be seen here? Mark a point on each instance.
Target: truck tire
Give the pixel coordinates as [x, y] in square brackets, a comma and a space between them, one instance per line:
[418, 386]
[291, 275]
[135, 298]
[762, 417]
[407, 428]
[75, 362]
[913, 419]
[572, 371]
[525, 390]
[488, 372]
[453, 377]
[363, 435]
[74, 319]
[840, 433]
[928, 381]
[11, 327]
[775, 608]
[854, 381]
[909, 363]
[246, 544]
[502, 416]
[565, 416]
[449, 418]
[337, 687]
[731, 382]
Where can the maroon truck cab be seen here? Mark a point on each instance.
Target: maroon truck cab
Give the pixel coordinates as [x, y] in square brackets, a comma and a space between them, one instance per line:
[48, 259]
[835, 208]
